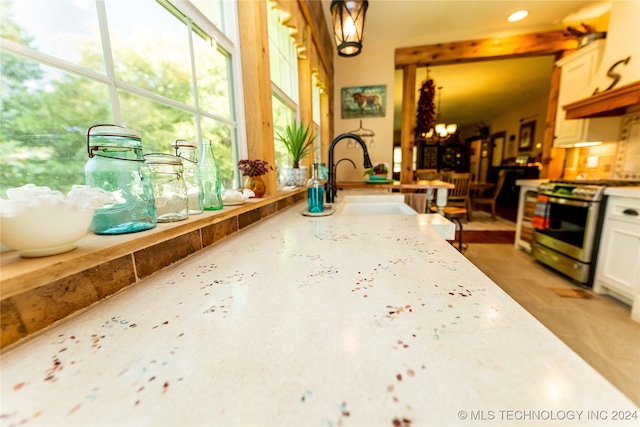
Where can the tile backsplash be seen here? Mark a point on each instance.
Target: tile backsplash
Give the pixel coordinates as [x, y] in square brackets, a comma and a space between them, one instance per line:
[595, 162]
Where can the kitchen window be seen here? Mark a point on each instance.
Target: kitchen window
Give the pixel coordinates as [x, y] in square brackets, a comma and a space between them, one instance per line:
[283, 63]
[167, 69]
[315, 107]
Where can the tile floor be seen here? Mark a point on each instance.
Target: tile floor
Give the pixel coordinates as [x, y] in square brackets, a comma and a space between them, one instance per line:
[598, 329]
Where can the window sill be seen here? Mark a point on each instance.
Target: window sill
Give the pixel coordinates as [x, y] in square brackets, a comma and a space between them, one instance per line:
[39, 291]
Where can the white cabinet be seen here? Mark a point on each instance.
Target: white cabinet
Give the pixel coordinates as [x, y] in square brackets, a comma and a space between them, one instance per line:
[578, 71]
[618, 265]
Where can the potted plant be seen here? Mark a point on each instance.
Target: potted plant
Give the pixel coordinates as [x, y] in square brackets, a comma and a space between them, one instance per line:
[253, 170]
[299, 142]
[377, 172]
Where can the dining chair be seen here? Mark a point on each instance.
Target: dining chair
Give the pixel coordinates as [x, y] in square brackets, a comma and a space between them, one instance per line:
[491, 200]
[453, 214]
[428, 174]
[459, 196]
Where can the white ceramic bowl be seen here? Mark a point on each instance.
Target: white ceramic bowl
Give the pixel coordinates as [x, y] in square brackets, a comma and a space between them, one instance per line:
[37, 221]
[236, 197]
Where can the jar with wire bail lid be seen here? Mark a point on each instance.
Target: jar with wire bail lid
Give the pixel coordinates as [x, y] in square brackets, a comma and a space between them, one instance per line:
[116, 165]
[168, 186]
[187, 152]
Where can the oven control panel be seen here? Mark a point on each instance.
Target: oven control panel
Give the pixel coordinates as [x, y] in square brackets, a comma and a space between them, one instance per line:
[580, 192]
[589, 190]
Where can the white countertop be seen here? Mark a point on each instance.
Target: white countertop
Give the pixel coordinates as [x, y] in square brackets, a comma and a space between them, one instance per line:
[337, 320]
[632, 192]
[530, 182]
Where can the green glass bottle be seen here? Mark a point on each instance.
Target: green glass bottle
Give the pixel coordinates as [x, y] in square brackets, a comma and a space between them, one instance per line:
[210, 176]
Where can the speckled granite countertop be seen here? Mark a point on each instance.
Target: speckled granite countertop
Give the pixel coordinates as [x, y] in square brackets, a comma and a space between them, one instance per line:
[337, 320]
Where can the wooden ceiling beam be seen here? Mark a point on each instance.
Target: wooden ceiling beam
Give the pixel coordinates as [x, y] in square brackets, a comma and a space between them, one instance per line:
[523, 45]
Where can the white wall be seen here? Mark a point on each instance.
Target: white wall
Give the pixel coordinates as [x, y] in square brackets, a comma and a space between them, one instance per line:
[511, 120]
[374, 66]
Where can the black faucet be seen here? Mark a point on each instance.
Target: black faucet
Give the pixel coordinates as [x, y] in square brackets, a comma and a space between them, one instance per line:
[331, 184]
[342, 160]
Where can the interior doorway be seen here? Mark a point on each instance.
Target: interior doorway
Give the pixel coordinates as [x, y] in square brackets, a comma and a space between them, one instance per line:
[474, 148]
[497, 147]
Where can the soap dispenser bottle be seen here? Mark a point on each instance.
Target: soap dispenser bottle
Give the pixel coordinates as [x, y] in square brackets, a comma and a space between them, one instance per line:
[315, 192]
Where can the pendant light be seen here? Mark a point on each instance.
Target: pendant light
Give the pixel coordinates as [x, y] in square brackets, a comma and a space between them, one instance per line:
[442, 130]
[348, 25]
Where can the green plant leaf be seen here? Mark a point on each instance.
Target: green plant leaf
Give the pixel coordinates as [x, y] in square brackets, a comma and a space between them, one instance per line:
[296, 138]
[380, 168]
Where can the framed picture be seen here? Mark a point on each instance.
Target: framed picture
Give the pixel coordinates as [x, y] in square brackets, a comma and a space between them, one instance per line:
[363, 101]
[526, 136]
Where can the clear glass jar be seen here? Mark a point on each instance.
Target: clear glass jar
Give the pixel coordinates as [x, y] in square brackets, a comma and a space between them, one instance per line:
[315, 192]
[187, 152]
[116, 165]
[210, 176]
[322, 171]
[169, 187]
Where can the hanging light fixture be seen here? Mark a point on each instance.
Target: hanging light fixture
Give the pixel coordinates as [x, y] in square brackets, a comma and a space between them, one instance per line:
[348, 25]
[441, 131]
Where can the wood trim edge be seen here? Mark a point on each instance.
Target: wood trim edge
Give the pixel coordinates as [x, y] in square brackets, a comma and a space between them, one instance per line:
[605, 104]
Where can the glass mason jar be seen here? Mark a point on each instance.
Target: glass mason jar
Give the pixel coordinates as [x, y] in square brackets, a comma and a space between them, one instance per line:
[191, 174]
[169, 187]
[116, 165]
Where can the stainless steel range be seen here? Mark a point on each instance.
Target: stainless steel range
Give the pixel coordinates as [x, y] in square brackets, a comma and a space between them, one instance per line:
[567, 223]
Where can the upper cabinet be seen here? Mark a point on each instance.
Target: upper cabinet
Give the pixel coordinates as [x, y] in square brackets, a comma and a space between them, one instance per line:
[578, 70]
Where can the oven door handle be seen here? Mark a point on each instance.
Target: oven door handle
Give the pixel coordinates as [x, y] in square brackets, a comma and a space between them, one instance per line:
[569, 202]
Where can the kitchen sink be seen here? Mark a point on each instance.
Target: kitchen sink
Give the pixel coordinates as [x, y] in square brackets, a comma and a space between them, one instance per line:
[392, 204]
[380, 208]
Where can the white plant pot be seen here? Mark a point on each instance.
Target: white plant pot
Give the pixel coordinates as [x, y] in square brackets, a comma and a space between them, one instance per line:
[296, 177]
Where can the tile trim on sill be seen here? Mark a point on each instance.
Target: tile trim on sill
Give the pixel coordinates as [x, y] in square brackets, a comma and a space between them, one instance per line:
[37, 292]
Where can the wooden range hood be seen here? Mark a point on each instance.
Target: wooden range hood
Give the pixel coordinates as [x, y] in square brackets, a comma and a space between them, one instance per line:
[613, 102]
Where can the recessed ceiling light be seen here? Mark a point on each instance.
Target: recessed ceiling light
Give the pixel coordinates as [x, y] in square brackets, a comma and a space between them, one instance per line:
[517, 16]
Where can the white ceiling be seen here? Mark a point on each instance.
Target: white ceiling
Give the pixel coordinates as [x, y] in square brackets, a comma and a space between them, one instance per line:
[473, 92]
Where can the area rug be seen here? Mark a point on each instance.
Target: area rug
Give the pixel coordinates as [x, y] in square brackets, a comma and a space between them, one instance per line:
[482, 221]
[479, 236]
[571, 293]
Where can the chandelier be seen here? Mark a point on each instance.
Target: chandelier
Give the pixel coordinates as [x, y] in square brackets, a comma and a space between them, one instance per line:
[441, 131]
[348, 25]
